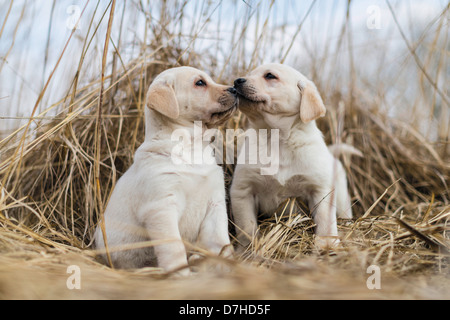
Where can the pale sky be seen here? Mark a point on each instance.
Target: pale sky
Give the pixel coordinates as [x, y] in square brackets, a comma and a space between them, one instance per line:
[22, 73]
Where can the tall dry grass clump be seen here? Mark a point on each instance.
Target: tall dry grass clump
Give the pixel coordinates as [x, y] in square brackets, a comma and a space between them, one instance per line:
[57, 173]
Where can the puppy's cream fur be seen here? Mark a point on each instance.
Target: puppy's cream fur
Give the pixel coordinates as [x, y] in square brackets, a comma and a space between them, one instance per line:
[278, 97]
[162, 202]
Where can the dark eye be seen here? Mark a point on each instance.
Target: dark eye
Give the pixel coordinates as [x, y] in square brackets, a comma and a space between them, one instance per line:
[270, 76]
[200, 83]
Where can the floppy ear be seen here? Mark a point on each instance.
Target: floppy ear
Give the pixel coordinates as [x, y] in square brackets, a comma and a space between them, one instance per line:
[311, 104]
[161, 97]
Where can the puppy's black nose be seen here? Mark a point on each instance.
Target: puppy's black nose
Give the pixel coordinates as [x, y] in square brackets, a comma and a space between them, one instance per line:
[239, 82]
[232, 91]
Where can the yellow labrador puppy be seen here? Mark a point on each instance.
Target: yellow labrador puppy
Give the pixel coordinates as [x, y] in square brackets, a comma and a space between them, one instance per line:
[278, 97]
[164, 199]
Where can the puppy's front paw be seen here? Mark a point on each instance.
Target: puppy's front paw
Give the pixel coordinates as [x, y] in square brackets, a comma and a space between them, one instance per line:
[195, 259]
[179, 273]
[211, 263]
[326, 243]
[227, 252]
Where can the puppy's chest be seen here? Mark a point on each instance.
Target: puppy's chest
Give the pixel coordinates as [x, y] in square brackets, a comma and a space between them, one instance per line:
[200, 192]
[200, 182]
[274, 190]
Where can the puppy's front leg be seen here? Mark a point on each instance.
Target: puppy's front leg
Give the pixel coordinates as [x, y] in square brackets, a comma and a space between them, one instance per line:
[214, 235]
[162, 226]
[343, 200]
[323, 208]
[244, 214]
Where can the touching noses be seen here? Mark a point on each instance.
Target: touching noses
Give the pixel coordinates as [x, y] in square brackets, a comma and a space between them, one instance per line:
[239, 82]
[232, 90]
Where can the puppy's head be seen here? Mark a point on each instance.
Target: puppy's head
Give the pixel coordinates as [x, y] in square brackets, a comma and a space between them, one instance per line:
[186, 95]
[280, 91]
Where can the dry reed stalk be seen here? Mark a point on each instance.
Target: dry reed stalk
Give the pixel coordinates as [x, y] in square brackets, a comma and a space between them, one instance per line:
[416, 58]
[16, 29]
[98, 135]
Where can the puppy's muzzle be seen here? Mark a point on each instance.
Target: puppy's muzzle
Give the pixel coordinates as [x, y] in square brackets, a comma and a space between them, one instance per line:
[247, 92]
[239, 86]
[239, 82]
[233, 91]
[229, 102]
